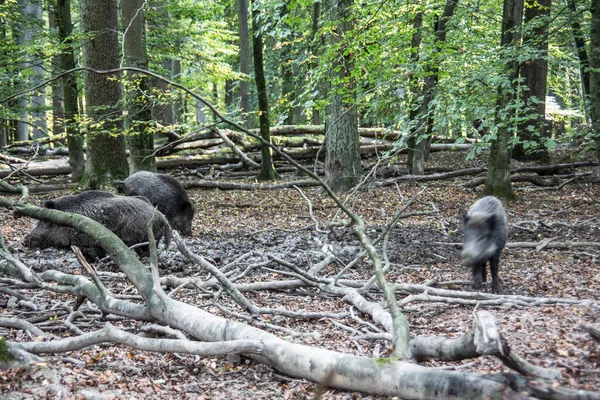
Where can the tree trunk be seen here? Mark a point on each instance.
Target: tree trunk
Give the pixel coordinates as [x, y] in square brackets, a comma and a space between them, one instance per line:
[31, 28]
[70, 91]
[200, 112]
[316, 14]
[498, 178]
[139, 114]
[106, 158]
[242, 8]
[267, 170]
[595, 77]
[58, 106]
[291, 76]
[4, 124]
[178, 104]
[534, 76]
[584, 64]
[229, 94]
[342, 149]
[162, 109]
[424, 130]
[413, 92]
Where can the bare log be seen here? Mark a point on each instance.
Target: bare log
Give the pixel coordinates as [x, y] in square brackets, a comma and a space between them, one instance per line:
[54, 170]
[247, 186]
[9, 159]
[432, 177]
[533, 178]
[44, 188]
[553, 168]
[35, 142]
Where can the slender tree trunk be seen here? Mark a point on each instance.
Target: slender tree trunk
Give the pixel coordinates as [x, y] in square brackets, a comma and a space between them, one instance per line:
[139, 113]
[595, 77]
[31, 12]
[342, 148]
[498, 177]
[316, 14]
[534, 76]
[178, 108]
[4, 124]
[200, 113]
[229, 94]
[584, 64]
[106, 158]
[162, 109]
[70, 91]
[242, 8]
[414, 91]
[426, 112]
[58, 105]
[267, 170]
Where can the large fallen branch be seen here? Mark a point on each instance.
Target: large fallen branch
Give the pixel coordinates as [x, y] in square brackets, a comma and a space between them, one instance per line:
[247, 186]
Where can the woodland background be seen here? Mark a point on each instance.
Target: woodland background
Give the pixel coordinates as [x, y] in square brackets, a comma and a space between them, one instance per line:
[340, 280]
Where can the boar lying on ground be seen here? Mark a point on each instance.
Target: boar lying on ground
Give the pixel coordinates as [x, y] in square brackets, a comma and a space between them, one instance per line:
[486, 230]
[165, 193]
[125, 216]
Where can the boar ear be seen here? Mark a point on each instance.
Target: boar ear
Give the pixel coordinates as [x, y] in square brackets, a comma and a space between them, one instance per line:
[465, 219]
[120, 186]
[491, 220]
[50, 204]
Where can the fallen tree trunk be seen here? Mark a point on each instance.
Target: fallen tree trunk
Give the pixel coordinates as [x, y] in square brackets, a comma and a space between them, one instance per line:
[45, 187]
[433, 177]
[533, 178]
[9, 159]
[36, 142]
[247, 186]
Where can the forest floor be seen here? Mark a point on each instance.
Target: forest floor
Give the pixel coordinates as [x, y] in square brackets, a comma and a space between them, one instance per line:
[229, 224]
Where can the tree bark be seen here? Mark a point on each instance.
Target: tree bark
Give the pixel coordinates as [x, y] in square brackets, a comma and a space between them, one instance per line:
[162, 108]
[32, 24]
[582, 55]
[414, 92]
[106, 158]
[534, 77]
[595, 77]
[314, 48]
[139, 114]
[267, 170]
[58, 106]
[342, 149]
[244, 35]
[29, 27]
[498, 178]
[70, 91]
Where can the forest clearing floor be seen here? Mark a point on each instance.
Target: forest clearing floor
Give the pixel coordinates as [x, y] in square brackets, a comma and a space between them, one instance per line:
[229, 224]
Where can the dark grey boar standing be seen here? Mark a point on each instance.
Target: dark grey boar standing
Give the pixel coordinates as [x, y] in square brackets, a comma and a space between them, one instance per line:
[165, 193]
[486, 230]
[125, 216]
